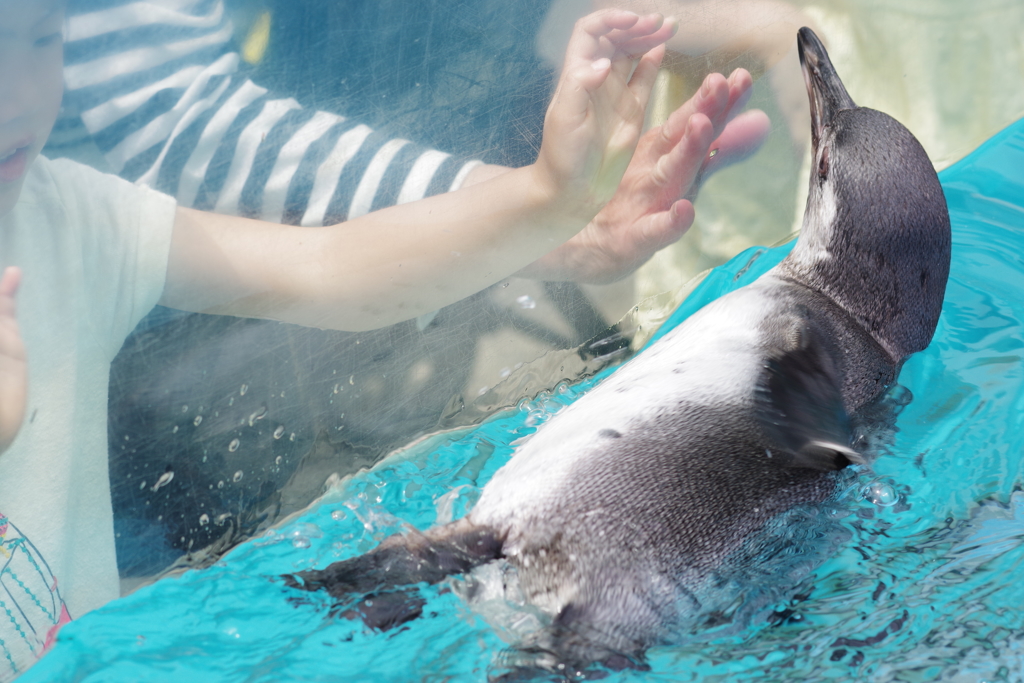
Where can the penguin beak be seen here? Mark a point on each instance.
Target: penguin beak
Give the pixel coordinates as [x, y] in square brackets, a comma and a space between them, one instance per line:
[827, 94]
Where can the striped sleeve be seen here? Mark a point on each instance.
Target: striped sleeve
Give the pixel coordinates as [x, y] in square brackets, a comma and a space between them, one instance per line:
[157, 87]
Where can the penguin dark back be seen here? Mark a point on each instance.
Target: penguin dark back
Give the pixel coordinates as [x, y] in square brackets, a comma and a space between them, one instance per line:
[627, 517]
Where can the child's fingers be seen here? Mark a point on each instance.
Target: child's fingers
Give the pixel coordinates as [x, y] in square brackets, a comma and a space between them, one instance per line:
[710, 101]
[666, 227]
[683, 164]
[611, 33]
[645, 74]
[741, 87]
[637, 41]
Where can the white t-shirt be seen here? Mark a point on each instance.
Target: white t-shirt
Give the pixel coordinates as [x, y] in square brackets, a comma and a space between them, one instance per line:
[93, 250]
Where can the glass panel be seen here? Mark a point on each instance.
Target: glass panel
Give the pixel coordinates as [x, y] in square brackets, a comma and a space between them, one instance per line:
[219, 427]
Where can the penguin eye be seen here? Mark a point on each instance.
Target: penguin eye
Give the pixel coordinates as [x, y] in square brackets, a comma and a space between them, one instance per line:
[823, 164]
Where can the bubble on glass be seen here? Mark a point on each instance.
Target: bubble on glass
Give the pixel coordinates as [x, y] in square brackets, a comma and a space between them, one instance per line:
[526, 301]
[881, 494]
[337, 388]
[233, 446]
[198, 421]
[184, 409]
[292, 437]
[278, 433]
[142, 485]
[164, 480]
[220, 484]
[204, 519]
[338, 515]
[175, 430]
[277, 460]
[301, 542]
[244, 388]
[238, 476]
[257, 415]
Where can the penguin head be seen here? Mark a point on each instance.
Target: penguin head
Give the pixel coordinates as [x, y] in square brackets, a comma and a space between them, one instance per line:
[875, 236]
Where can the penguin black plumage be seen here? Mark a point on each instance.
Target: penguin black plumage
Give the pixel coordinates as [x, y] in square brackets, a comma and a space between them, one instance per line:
[620, 509]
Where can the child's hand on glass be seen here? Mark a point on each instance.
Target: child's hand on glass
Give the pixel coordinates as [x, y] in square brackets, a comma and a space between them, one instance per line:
[597, 112]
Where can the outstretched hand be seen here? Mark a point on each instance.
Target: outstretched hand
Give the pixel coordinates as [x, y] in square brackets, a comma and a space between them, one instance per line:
[13, 367]
[652, 206]
[597, 112]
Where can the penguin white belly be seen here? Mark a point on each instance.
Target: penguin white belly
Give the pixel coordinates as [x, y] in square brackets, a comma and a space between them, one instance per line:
[713, 358]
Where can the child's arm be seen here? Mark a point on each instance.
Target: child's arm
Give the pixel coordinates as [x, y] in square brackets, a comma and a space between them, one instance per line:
[406, 260]
[13, 367]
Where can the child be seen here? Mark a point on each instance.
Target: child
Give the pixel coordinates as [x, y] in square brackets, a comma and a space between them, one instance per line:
[89, 254]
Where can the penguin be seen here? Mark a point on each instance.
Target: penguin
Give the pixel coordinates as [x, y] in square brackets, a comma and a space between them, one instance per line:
[618, 512]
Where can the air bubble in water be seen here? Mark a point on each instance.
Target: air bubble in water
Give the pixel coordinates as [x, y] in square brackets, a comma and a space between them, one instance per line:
[534, 417]
[244, 388]
[301, 542]
[233, 446]
[184, 409]
[220, 484]
[881, 494]
[198, 421]
[526, 301]
[175, 430]
[204, 519]
[238, 477]
[338, 515]
[279, 432]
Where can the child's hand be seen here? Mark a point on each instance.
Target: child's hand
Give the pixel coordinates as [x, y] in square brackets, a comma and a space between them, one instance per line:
[13, 368]
[652, 207]
[597, 112]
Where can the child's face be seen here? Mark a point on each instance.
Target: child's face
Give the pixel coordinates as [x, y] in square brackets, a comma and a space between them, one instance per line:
[31, 84]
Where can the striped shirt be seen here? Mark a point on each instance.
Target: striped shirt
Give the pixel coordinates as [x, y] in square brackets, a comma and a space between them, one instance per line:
[157, 86]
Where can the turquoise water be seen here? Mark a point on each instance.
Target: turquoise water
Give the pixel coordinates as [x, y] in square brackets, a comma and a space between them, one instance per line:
[926, 589]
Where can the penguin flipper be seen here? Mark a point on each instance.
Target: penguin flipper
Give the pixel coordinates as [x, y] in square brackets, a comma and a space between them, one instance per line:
[404, 560]
[800, 404]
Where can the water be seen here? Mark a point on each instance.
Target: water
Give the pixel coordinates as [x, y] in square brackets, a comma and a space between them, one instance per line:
[926, 588]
